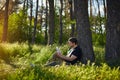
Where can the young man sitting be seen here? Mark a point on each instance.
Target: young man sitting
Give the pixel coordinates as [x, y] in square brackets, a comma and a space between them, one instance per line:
[73, 56]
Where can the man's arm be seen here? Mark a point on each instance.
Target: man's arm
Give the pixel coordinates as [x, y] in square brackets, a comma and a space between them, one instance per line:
[66, 58]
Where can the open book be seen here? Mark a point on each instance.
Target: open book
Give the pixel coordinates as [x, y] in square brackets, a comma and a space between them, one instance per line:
[58, 50]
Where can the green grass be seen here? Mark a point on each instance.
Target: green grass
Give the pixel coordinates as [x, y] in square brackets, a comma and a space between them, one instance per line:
[81, 72]
[99, 54]
[16, 60]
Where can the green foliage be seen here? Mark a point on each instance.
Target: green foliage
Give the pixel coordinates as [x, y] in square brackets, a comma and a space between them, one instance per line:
[96, 20]
[98, 39]
[66, 28]
[18, 28]
[7, 51]
[81, 72]
[30, 60]
[39, 39]
[99, 55]
[97, 27]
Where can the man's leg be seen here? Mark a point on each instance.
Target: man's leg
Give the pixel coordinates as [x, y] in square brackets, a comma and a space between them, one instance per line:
[53, 61]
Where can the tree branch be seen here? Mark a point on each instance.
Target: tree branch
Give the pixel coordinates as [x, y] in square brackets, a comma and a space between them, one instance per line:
[2, 7]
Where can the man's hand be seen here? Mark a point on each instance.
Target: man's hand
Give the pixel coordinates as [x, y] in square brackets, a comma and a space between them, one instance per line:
[58, 54]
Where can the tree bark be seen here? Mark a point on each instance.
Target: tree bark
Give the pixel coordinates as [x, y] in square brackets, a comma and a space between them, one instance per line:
[46, 23]
[75, 7]
[105, 8]
[112, 52]
[27, 4]
[72, 18]
[51, 31]
[24, 5]
[35, 23]
[5, 28]
[61, 25]
[91, 8]
[83, 30]
[41, 15]
[31, 15]
[31, 9]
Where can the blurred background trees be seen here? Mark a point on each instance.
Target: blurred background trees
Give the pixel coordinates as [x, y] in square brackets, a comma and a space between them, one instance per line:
[54, 21]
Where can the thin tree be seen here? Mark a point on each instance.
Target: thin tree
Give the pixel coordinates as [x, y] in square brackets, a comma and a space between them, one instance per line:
[105, 8]
[112, 51]
[41, 14]
[51, 31]
[31, 16]
[61, 24]
[24, 5]
[35, 23]
[83, 30]
[31, 9]
[91, 8]
[46, 23]
[94, 17]
[25, 8]
[99, 17]
[27, 4]
[5, 28]
[72, 18]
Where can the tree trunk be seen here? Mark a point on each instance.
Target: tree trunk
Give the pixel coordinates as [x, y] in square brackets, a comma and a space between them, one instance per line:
[83, 30]
[24, 5]
[27, 4]
[51, 31]
[91, 8]
[35, 23]
[5, 28]
[72, 18]
[105, 12]
[105, 8]
[94, 18]
[46, 23]
[41, 14]
[74, 12]
[99, 17]
[31, 9]
[112, 52]
[61, 25]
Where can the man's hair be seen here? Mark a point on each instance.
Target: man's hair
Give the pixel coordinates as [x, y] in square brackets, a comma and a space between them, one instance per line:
[73, 40]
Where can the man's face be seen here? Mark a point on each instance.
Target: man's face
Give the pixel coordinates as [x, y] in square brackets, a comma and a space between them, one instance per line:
[71, 44]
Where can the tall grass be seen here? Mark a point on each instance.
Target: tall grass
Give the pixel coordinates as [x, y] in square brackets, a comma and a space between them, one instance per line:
[99, 54]
[29, 63]
[81, 72]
